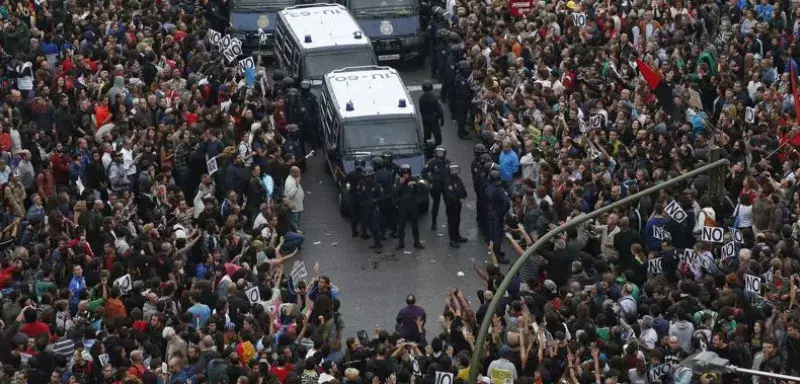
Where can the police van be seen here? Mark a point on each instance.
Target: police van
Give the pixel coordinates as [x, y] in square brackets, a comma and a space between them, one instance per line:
[253, 22]
[315, 39]
[365, 111]
[393, 26]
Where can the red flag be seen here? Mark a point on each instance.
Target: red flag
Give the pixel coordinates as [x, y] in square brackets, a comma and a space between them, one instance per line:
[660, 89]
[792, 69]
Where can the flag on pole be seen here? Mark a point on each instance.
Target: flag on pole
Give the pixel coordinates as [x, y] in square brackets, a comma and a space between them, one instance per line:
[660, 88]
[793, 70]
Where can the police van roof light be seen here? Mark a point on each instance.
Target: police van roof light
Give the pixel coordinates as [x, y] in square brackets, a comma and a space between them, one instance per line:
[349, 106]
[402, 103]
[357, 34]
[308, 38]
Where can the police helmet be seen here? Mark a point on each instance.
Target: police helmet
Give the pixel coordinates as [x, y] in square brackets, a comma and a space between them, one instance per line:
[278, 76]
[377, 162]
[369, 171]
[287, 82]
[455, 169]
[360, 163]
[487, 135]
[293, 92]
[479, 149]
[486, 158]
[463, 64]
[430, 144]
[388, 157]
[487, 167]
[440, 152]
[443, 33]
[292, 128]
[405, 168]
[427, 86]
[454, 36]
[494, 175]
[305, 85]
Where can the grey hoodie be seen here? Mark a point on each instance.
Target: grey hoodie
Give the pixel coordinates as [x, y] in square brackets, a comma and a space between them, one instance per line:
[684, 330]
[117, 89]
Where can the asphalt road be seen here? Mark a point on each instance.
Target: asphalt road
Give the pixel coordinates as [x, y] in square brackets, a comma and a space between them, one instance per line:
[374, 287]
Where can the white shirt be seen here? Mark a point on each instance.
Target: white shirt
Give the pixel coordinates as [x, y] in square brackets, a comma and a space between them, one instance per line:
[127, 162]
[259, 221]
[745, 214]
[294, 192]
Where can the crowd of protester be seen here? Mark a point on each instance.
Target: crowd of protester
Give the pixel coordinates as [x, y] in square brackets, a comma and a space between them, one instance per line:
[128, 257]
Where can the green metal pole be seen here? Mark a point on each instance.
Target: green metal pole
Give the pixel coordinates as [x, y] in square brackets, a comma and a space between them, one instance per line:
[501, 290]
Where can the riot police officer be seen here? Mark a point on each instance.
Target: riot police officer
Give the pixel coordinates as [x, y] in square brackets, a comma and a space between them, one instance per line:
[462, 98]
[385, 176]
[388, 162]
[435, 172]
[293, 108]
[408, 190]
[480, 183]
[310, 127]
[371, 195]
[454, 195]
[293, 144]
[498, 204]
[432, 114]
[277, 83]
[475, 171]
[352, 181]
[454, 55]
[487, 138]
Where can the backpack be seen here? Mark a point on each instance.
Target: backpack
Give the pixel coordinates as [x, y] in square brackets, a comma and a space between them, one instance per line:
[709, 222]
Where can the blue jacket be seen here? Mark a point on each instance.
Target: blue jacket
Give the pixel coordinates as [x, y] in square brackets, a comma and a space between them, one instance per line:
[509, 164]
[76, 286]
[651, 243]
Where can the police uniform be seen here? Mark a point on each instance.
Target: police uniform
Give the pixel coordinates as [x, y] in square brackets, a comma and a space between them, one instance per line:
[293, 144]
[454, 55]
[385, 177]
[454, 195]
[498, 203]
[408, 191]
[353, 179]
[432, 115]
[310, 127]
[462, 99]
[435, 172]
[371, 195]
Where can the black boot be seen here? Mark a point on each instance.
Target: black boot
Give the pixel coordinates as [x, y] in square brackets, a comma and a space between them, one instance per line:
[399, 247]
[418, 245]
[462, 239]
[454, 244]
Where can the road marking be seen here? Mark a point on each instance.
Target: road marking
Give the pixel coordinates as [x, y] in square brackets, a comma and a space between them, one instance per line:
[417, 88]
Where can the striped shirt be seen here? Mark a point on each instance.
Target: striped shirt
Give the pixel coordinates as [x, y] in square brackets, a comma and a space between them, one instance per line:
[64, 348]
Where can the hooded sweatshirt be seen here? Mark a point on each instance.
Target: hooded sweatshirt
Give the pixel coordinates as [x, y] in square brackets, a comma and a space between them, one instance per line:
[684, 330]
[117, 89]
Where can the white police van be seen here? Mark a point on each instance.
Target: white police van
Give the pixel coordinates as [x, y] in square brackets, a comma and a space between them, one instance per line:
[314, 39]
[365, 111]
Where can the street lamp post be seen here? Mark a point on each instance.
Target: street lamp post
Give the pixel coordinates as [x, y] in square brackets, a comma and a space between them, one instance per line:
[478, 353]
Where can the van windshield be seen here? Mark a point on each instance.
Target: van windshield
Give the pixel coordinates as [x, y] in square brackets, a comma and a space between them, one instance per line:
[384, 8]
[402, 137]
[320, 64]
[261, 5]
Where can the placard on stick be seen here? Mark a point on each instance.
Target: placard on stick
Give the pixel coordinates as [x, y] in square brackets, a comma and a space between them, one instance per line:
[713, 234]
